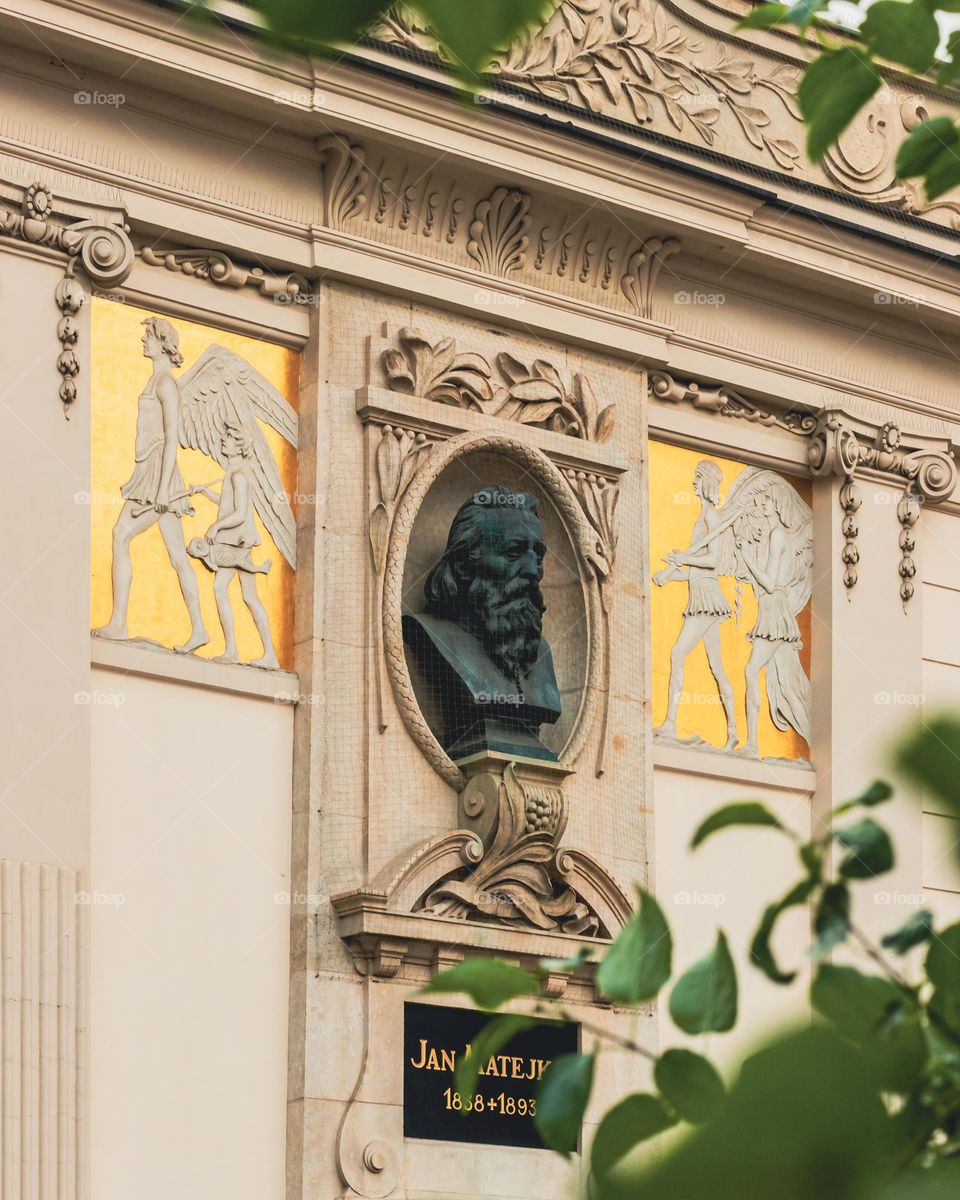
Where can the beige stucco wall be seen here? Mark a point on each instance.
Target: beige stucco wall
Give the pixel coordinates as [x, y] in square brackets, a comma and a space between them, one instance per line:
[189, 941]
[234, 1045]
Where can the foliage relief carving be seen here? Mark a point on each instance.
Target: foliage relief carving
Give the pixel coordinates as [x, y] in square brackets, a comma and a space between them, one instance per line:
[531, 395]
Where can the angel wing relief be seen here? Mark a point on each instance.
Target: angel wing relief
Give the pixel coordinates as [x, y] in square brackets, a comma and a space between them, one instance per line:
[760, 537]
[221, 407]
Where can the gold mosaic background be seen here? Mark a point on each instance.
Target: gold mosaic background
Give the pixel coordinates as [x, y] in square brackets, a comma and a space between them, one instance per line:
[119, 375]
[673, 514]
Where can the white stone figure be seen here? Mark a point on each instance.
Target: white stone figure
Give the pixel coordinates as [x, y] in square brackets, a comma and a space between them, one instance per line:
[226, 547]
[216, 406]
[775, 553]
[707, 607]
[155, 492]
[762, 535]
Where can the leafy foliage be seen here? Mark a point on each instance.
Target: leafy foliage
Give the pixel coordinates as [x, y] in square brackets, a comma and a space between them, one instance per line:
[705, 997]
[638, 963]
[845, 74]
[470, 33]
[863, 1106]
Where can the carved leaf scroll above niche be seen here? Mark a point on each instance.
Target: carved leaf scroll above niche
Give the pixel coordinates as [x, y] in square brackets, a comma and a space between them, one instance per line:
[531, 395]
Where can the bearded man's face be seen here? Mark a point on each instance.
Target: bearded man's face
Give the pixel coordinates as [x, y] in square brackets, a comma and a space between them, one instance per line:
[505, 604]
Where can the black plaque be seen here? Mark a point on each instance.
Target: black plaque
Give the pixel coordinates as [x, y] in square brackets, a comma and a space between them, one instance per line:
[502, 1108]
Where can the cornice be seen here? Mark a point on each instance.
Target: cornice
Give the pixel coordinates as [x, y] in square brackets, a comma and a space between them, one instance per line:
[176, 60]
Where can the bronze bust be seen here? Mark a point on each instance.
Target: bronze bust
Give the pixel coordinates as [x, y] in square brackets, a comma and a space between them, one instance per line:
[478, 642]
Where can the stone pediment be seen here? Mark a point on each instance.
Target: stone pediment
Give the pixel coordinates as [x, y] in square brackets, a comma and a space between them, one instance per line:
[676, 73]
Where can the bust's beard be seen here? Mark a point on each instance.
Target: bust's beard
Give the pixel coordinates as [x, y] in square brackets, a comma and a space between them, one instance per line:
[508, 620]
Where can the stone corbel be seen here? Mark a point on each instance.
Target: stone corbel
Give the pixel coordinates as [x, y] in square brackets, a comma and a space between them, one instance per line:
[844, 446]
[99, 247]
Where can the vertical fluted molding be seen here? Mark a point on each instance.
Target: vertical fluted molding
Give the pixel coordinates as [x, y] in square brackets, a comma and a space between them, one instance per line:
[42, 1033]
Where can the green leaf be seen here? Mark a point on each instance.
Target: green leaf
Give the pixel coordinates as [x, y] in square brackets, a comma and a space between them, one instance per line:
[489, 982]
[802, 1122]
[901, 32]
[870, 851]
[802, 13]
[913, 932]
[875, 794]
[488, 1042]
[562, 1099]
[764, 15]
[878, 1017]
[747, 812]
[638, 963]
[931, 757]
[943, 174]
[938, 1181]
[704, 999]
[626, 1125]
[832, 91]
[949, 70]
[761, 955]
[473, 31]
[322, 25]
[943, 971]
[690, 1085]
[925, 143]
[831, 923]
[547, 966]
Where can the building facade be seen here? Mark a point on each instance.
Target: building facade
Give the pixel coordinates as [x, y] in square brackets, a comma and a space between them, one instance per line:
[433, 510]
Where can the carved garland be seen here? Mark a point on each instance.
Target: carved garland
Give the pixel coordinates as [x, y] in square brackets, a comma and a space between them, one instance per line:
[103, 251]
[581, 536]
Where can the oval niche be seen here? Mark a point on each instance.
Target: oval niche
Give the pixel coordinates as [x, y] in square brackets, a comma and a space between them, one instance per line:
[456, 471]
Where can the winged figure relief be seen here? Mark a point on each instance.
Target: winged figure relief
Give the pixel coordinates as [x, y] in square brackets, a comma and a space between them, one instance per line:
[761, 535]
[218, 406]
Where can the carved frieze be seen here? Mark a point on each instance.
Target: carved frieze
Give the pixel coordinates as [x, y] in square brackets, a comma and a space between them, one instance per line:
[220, 269]
[672, 69]
[531, 395]
[504, 232]
[722, 400]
